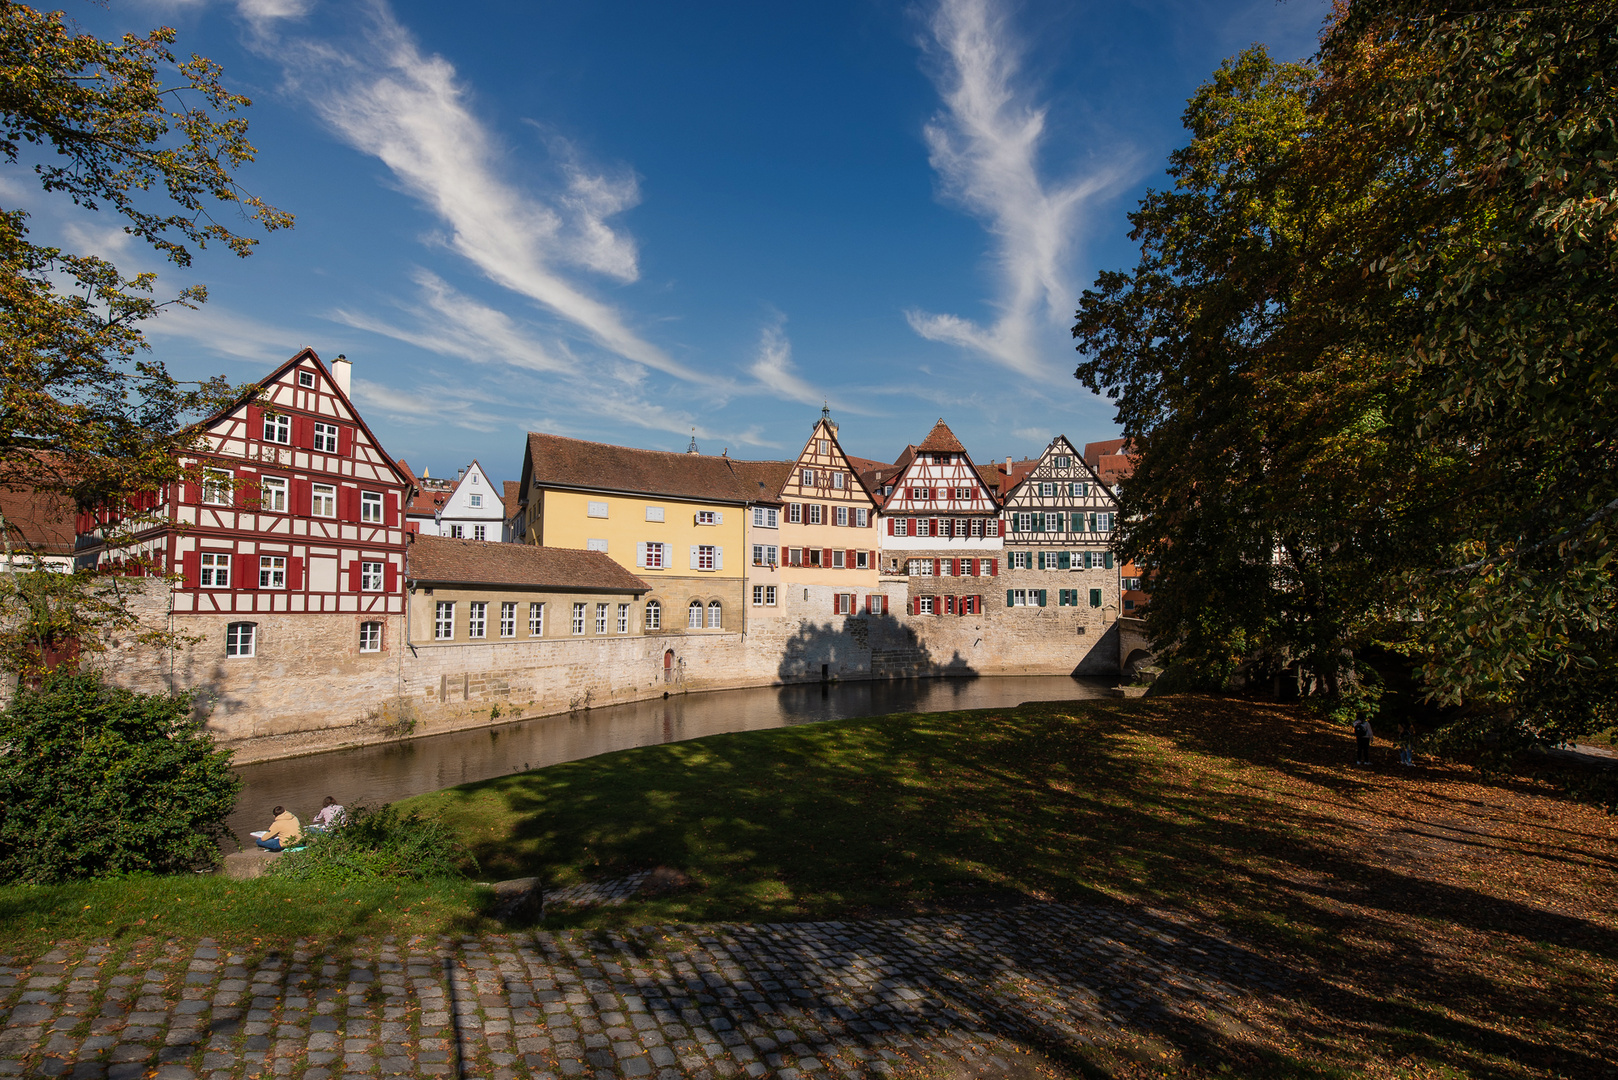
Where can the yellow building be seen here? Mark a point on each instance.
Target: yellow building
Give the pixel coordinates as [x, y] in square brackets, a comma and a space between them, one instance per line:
[677, 521]
[828, 526]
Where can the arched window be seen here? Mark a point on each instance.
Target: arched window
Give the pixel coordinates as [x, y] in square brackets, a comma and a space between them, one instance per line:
[654, 615]
[693, 616]
[241, 639]
[714, 621]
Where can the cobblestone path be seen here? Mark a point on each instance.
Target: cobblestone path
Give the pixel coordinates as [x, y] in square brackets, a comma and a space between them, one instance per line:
[793, 1000]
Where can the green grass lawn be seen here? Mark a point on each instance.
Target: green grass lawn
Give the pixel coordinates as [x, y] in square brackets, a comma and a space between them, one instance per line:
[1435, 923]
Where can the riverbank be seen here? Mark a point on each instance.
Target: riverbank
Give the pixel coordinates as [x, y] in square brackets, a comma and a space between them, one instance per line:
[1423, 920]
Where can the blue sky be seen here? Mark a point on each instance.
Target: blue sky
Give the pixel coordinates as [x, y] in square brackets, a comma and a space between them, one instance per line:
[623, 221]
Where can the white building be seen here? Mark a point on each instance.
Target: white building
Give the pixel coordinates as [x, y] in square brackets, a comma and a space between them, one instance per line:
[474, 509]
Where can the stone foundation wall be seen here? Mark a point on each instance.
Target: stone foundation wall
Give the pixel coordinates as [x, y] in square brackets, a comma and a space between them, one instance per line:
[309, 676]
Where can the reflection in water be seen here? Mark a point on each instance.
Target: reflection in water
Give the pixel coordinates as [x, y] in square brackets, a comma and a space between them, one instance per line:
[383, 773]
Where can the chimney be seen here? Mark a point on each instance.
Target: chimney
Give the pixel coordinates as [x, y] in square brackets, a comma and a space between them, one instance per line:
[342, 373]
[1008, 464]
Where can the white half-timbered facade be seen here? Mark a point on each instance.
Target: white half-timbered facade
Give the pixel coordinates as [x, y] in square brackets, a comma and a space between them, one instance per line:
[1057, 525]
[295, 508]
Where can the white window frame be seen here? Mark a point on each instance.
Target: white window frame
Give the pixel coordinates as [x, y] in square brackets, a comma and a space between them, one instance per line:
[862, 517]
[924, 605]
[306, 379]
[716, 616]
[480, 532]
[862, 560]
[706, 556]
[601, 618]
[444, 620]
[370, 636]
[694, 615]
[214, 570]
[794, 513]
[475, 501]
[924, 527]
[272, 494]
[806, 478]
[623, 618]
[816, 514]
[595, 508]
[654, 615]
[325, 438]
[578, 619]
[654, 513]
[839, 557]
[241, 640]
[841, 516]
[272, 571]
[456, 532]
[216, 489]
[477, 620]
[323, 500]
[901, 526]
[1053, 523]
[278, 428]
[371, 576]
[707, 517]
[655, 553]
[508, 618]
[536, 619]
[837, 481]
[919, 568]
[372, 507]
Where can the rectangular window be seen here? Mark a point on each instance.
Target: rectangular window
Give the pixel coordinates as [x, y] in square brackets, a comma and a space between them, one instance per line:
[323, 500]
[842, 516]
[477, 619]
[924, 605]
[456, 532]
[476, 501]
[924, 527]
[1019, 597]
[705, 556]
[765, 554]
[862, 518]
[766, 518]
[536, 620]
[714, 615]
[921, 493]
[216, 490]
[601, 618]
[795, 513]
[1104, 523]
[370, 577]
[977, 526]
[1053, 522]
[215, 570]
[837, 481]
[838, 557]
[480, 532]
[278, 428]
[623, 618]
[769, 596]
[814, 556]
[1047, 491]
[595, 509]
[814, 513]
[843, 603]
[508, 618]
[444, 621]
[1095, 597]
[371, 507]
[806, 478]
[370, 637]
[596, 545]
[272, 572]
[1063, 461]
[654, 513]
[824, 446]
[963, 494]
[272, 495]
[325, 438]
[306, 378]
[862, 560]
[654, 615]
[240, 638]
[919, 568]
[1021, 560]
[1025, 522]
[1076, 490]
[655, 559]
[901, 527]
[707, 517]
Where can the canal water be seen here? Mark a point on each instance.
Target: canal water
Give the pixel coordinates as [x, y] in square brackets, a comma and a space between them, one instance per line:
[382, 773]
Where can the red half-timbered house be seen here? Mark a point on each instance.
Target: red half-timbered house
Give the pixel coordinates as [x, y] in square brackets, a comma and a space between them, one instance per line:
[295, 509]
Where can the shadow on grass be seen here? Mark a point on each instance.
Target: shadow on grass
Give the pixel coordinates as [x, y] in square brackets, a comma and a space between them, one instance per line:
[1243, 811]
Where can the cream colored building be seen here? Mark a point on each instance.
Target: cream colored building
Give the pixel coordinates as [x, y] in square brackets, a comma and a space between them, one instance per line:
[829, 522]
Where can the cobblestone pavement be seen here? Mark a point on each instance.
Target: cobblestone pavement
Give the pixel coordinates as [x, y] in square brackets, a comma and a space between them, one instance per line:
[793, 1000]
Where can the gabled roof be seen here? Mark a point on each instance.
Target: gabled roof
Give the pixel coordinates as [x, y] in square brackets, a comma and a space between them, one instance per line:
[39, 521]
[557, 461]
[439, 560]
[1001, 479]
[764, 478]
[941, 438]
[512, 498]
[1111, 459]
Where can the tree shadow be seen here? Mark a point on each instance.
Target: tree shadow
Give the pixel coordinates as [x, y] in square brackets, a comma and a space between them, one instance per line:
[863, 646]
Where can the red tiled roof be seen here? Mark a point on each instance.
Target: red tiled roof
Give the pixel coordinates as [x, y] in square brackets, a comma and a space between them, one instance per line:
[764, 479]
[512, 498]
[480, 562]
[941, 438]
[1110, 458]
[39, 521]
[557, 461]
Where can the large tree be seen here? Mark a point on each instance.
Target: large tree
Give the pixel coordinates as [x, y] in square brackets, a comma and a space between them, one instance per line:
[1367, 361]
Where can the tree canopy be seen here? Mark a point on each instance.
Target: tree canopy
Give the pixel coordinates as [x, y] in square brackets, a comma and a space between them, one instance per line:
[1367, 362]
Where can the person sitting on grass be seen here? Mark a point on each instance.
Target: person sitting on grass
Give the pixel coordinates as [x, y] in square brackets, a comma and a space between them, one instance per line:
[329, 817]
[284, 832]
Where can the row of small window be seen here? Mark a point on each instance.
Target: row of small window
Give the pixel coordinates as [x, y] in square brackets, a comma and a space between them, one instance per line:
[1069, 488]
[479, 532]
[941, 494]
[858, 517]
[241, 639]
[946, 605]
[600, 508]
[698, 615]
[1059, 560]
[825, 558]
[952, 567]
[214, 573]
[1037, 597]
[278, 429]
[961, 526]
[653, 555]
[272, 496]
[825, 478]
[1026, 521]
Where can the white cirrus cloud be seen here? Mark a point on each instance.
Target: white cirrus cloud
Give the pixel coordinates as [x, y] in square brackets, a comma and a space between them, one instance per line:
[381, 94]
[985, 145]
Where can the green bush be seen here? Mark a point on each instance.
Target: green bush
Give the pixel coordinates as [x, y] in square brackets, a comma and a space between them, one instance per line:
[98, 781]
[376, 843]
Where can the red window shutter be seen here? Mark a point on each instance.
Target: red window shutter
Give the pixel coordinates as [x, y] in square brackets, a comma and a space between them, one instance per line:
[246, 570]
[938, 568]
[248, 492]
[190, 570]
[354, 576]
[915, 605]
[390, 578]
[300, 497]
[884, 603]
[192, 493]
[836, 603]
[848, 559]
[825, 558]
[890, 526]
[994, 567]
[294, 573]
[303, 432]
[348, 503]
[393, 509]
[345, 441]
[255, 422]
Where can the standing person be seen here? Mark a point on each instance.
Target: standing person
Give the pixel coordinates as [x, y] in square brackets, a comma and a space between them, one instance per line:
[1362, 741]
[329, 817]
[1407, 742]
[284, 831]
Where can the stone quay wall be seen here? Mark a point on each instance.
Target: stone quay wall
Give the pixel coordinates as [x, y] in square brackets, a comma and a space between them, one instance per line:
[308, 675]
